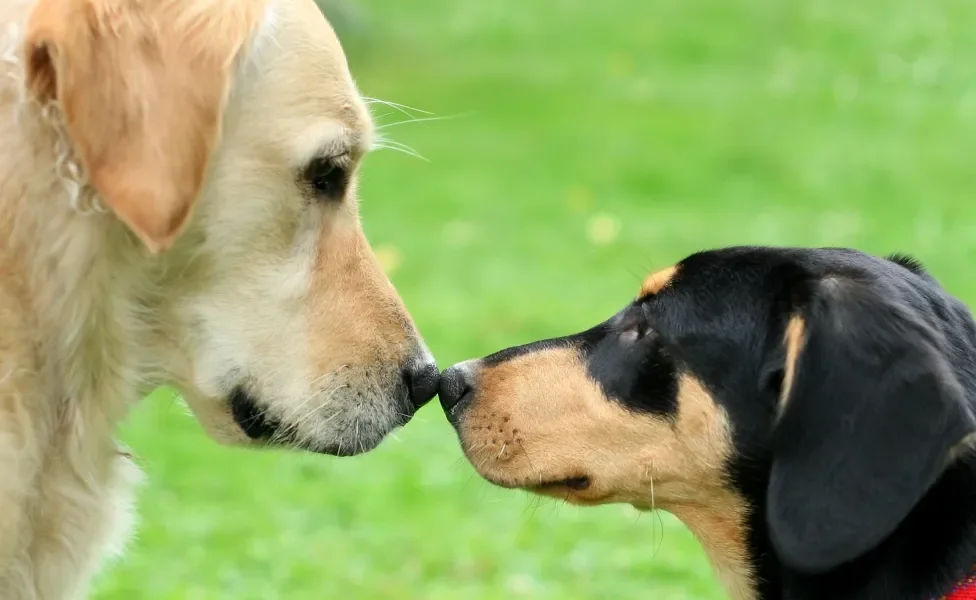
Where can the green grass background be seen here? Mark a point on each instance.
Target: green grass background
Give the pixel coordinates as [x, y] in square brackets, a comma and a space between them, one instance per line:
[591, 141]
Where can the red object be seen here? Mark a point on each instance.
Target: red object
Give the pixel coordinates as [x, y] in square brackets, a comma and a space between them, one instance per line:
[966, 590]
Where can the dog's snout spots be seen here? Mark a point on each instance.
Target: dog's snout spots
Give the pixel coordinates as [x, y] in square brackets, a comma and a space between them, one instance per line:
[503, 442]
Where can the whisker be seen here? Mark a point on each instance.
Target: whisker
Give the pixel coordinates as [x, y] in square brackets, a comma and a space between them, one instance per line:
[660, 541]
[396, 106]
[321, 405]
[471, 451]
[314, 382]
[412, 417]
[660, 520]
[533, 506]
[331, 417]
[388, 144]
[302, 441]
[419, 120]
[312, 396]
[653, 507]
[637, 276]
[373, 383]
[325, 376]
[483, 462]
[527, 459]
[467, 482]
[292, 428]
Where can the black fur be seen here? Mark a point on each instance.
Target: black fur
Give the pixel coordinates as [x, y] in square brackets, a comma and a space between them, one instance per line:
[634, 374]
[860, 487]
[254, 421]
[873, 412]
[909, 262]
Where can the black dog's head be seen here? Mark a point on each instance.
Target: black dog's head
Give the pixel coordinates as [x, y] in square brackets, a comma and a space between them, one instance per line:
[796, 403]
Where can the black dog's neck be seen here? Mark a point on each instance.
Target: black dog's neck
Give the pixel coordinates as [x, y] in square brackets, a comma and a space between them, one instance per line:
[933, 549]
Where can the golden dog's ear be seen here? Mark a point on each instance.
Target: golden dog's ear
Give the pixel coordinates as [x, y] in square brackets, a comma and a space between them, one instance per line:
[142, 86]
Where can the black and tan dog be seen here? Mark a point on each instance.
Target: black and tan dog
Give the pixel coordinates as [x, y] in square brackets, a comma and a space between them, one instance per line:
[808, 413]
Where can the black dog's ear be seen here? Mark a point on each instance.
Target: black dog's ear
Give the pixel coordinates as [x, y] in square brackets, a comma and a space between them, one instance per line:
[870, 411]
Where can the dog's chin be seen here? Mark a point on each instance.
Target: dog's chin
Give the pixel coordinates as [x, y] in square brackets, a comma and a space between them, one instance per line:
[577, 483]
[574, 489]
[351, 447]
[356, 435]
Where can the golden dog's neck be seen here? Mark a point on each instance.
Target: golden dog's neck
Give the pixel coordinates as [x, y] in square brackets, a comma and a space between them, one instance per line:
[80, 279]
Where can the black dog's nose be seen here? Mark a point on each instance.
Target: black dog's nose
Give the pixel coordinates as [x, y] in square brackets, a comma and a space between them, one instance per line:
[421, 379]
[456, 383]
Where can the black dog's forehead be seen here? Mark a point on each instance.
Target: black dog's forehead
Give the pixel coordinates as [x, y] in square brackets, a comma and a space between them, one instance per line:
[742, 289]
[723, 317]
[759, 267]
[715, 319]
[724, 308]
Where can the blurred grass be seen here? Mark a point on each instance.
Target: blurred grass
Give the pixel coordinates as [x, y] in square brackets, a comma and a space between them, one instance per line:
[591, 141]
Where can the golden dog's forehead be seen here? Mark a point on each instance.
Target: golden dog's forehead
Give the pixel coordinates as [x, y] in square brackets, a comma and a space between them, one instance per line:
[300, 92]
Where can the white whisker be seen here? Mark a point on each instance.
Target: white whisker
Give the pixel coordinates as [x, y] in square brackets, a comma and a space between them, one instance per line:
[309, 398]
[321, 405]
[418, 120]
[396, 106]
[387, 144]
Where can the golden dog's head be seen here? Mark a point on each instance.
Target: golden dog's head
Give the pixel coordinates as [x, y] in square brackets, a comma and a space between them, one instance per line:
[224, 137]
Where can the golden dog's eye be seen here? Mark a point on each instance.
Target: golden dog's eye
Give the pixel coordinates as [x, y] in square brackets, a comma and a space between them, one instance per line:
[326, 178]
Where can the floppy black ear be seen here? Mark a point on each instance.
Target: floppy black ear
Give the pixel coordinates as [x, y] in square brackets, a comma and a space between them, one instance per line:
[869, 414]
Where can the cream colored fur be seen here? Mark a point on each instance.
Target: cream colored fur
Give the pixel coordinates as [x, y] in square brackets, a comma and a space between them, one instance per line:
[175, 251]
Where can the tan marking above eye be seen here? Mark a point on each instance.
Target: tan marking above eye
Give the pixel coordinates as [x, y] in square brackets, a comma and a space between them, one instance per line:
[657, 281]
[793, 339]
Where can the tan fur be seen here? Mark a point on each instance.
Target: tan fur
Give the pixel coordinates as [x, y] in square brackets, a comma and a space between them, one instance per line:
[153, 230]
[793, 341]
[539, 418]
[112, 68]
[655, 282]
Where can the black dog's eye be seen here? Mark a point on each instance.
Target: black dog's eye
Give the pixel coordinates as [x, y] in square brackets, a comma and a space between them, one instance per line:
[326, 178]
[634, 326]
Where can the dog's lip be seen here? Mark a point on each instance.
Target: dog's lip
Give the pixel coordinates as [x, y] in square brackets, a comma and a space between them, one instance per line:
[576, 483]
[253, 421]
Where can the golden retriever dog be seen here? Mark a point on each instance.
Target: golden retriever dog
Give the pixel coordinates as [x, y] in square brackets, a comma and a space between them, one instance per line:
[178, 205]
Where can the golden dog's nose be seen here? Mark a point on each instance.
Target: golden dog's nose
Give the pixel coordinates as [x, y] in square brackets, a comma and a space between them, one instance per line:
[421, 380]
